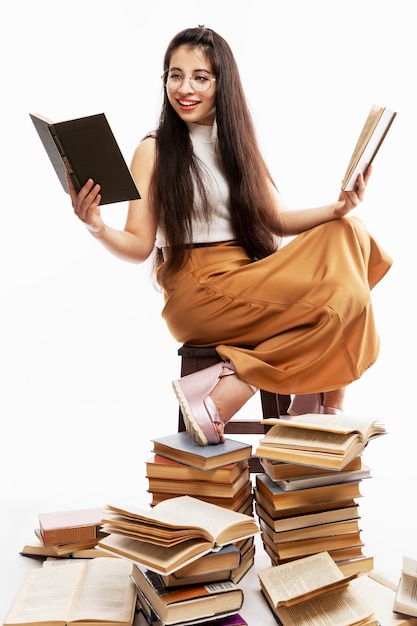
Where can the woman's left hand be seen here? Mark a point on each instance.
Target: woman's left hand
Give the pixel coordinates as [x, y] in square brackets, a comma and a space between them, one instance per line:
[348, 200]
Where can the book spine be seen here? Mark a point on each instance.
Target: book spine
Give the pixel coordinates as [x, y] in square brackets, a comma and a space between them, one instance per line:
[58, 536]
[65, 159]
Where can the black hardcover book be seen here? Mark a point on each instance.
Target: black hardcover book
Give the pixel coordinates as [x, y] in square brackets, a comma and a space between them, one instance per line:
[87, 148]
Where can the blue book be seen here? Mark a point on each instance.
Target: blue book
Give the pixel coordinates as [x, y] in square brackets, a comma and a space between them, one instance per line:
[180, 447]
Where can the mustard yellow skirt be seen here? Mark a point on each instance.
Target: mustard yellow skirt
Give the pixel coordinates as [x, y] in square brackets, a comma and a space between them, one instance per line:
[304, 312]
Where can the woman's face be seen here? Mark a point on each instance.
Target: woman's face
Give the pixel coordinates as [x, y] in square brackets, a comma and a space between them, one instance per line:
[189, 73]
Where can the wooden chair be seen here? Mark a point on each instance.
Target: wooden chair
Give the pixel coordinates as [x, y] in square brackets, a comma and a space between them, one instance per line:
[194, 358]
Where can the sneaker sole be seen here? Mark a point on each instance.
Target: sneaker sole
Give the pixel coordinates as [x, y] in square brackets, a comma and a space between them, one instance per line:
[191, 425]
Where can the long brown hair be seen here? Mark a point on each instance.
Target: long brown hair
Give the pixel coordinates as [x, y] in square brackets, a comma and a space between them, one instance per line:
[252, 212]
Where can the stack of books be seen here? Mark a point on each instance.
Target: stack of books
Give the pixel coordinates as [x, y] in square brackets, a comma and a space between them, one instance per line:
[218, 475]
[71, 533]
[307, 498]
[186, 561]
[194, 604]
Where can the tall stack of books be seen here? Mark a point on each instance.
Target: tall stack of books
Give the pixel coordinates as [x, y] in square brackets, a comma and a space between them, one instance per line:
[186, 559]
[307, 498]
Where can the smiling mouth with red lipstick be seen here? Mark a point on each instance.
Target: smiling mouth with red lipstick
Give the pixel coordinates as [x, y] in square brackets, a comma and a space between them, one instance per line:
[186, 103]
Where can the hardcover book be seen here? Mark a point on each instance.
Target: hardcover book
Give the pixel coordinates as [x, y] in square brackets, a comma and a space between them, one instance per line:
[78, 525]
[199, 488]
[291, 550]
[336, 478]
[187, 603]
[289, 523]
[78, 549]
[179, 447]
[87, 148]
[281, 470]
[282, 499]
[162, 467]
[216, 565]
[242, 502]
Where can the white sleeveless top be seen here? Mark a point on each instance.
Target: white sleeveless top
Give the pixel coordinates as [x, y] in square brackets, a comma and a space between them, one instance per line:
[219, 228]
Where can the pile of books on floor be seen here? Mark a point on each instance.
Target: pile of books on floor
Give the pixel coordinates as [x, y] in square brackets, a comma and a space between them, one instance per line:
[71, 533]
[307, 497]
[184, 557]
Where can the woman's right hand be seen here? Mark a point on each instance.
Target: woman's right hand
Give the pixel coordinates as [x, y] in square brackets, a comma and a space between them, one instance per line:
[86, 204]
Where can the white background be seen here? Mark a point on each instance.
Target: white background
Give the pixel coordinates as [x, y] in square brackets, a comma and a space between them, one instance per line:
[86, 362]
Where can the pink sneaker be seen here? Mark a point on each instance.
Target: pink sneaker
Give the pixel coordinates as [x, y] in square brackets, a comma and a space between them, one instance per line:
[199, 411]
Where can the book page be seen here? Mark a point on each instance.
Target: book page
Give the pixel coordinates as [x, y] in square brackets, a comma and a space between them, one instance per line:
[409, 566]
[368, 127]
[380, 598]
[158, 558]
[297, 578]
[188, 512]
[342, 424]
[406, 596]
[308, 439]
[45, 595]
[338, 608]
[106, 592]
[369, 142]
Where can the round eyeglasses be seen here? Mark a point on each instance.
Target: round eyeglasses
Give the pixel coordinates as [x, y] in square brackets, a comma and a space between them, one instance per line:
[199, 82]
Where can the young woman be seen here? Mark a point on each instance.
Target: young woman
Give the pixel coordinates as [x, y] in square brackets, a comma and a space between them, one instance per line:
[295, 319]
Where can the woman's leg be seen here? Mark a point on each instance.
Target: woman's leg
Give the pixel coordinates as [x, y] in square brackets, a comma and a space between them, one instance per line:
[229, 396]
[329, 402]
[334, 400]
